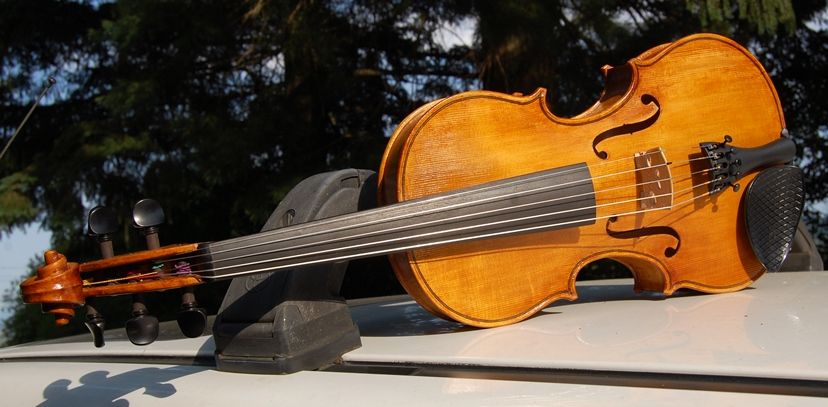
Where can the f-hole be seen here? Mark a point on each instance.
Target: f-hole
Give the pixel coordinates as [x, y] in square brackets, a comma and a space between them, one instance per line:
[628, 128]
[646, 231]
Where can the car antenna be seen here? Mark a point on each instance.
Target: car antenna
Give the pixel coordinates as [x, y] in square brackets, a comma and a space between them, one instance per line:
[51, 81]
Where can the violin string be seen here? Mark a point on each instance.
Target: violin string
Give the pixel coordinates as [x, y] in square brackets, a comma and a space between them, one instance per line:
[459, 229]
[119, 279]
[409, 215]
[426, 223]
[415, 246]
[451, 231]
[500, 197]
[320, 223]
[453, 218]
[426, 200]
[517, 194]
[429, 234]
[423, 245]
[466, 204]
[350, 237]
[442, 208]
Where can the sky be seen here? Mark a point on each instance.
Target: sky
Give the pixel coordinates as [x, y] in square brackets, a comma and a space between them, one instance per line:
[16, 249]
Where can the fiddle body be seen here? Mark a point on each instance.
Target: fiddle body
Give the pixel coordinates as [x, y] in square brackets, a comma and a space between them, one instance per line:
[670, 98]
[491, 204]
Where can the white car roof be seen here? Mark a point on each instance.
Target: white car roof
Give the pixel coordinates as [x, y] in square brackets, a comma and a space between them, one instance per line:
[769, 334]
[776, 328]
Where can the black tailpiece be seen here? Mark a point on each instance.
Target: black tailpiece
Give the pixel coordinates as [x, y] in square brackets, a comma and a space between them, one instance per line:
[728, 163]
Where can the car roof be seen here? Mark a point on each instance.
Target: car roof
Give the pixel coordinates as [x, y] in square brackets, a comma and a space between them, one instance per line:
[773, 329]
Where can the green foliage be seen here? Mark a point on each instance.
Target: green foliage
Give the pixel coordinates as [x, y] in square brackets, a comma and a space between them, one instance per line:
[18, 207]
[765, 16]
[217, 108]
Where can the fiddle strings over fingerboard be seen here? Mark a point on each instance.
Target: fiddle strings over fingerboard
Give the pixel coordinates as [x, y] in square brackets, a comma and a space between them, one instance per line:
[175, 268]
[180, 265]
[435, 199]
[443, 208]
[413, 246]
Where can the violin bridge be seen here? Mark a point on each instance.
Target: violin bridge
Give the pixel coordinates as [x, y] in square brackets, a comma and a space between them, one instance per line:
[653, 180]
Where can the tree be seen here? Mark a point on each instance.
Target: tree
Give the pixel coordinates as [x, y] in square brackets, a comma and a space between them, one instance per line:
[217, 109]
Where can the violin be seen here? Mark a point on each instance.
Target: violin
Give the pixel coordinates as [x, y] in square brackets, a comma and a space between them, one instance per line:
[490, 204]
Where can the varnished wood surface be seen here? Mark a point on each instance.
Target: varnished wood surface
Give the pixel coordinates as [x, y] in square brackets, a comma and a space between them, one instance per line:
[57, 286]
[705, 87]
[148, 285]
[61, 285]
[139, 257]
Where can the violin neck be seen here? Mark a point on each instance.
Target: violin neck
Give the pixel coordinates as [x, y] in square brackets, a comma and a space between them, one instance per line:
[548, 200]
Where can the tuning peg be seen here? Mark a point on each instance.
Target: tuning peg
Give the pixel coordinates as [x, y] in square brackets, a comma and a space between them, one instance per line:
[191, 319]
[102, 223]
[142, 328]
[147, 215]
[96, 325]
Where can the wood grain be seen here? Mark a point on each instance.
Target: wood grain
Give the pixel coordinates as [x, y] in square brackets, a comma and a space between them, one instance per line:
[143, 286]
[138, 258]
[61, 285]
[705, 87]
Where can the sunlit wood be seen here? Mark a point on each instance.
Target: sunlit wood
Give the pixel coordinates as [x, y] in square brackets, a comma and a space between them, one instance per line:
[655, 212]
[703, 87]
